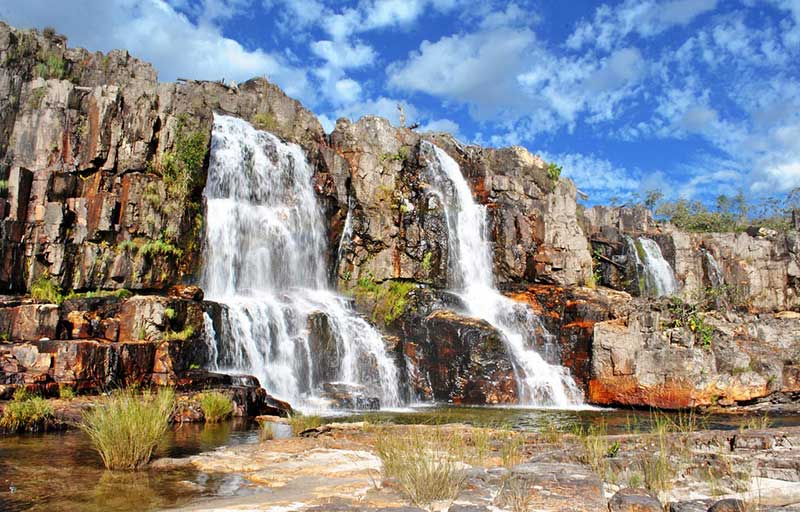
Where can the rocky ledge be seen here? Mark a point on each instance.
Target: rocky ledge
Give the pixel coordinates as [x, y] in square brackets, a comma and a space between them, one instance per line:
[337, 467]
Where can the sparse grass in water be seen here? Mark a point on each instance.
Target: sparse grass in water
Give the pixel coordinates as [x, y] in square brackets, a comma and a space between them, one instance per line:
[515, 495]
[301, 422]
[755, 423]
[216, 406]
[126, 429]
[424, 463]
[30, 413]
[511, 451]
[266, 432]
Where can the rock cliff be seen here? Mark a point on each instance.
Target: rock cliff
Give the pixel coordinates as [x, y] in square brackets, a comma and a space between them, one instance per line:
[102, 216]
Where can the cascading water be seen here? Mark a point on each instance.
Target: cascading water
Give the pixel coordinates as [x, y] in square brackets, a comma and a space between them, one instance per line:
[658, 275]
[713, 270]
[264, 262]
[470, 258]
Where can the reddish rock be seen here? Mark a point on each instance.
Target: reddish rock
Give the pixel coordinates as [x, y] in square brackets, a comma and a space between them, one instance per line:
[181, 291]
[463, 360]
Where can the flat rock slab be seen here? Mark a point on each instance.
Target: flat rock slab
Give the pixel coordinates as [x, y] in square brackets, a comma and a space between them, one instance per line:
[562, 487]
[634, 500]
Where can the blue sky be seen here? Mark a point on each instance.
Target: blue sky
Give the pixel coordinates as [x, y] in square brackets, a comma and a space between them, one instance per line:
[694, 97]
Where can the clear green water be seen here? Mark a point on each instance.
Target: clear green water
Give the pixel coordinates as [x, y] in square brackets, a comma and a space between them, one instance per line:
[543, 420]
[61, 472]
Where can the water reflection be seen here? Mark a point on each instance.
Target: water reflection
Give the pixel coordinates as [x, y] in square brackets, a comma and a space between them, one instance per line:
[61, 472]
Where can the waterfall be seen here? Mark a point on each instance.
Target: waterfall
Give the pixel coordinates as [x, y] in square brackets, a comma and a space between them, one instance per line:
[470, 275]
[264, 262]
[715, 275]
[658, 275]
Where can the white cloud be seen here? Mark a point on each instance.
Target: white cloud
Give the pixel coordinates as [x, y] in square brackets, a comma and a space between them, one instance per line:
[343, 55]
[346, 91]
[479, 69]
[441, 125]
[611, 25]
[154, 31]
[595, 176]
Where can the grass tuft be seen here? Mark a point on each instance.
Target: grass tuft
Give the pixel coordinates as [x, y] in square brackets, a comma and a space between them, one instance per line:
[300, 422]
[46, 290]
[31, 413]
[66, 392]
[424, 464]
[126, 430]
[216, 406]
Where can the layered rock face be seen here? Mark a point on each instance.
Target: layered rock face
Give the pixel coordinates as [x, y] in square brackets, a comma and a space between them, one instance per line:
[399, 232]
[728, 337]
[105, 166]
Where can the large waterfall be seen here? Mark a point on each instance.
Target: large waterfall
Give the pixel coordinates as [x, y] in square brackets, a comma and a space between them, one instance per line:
[264, 261]
[658, 276]
[471, 277]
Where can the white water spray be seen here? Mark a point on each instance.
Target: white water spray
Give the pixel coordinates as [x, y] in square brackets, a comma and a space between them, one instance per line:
[471, 276]
[659, 279]
[264, 261]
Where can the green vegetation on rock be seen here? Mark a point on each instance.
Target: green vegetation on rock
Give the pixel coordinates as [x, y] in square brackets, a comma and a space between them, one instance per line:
[127, 428]
[26, 413]
[45, 289]
[264, 121]
[302, 422]
[554, 172]
[216, 406]
[389, 299]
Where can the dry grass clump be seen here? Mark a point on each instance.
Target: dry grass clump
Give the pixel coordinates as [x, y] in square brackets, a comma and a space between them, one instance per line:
[127, 428]
[216, 406]
[301, 422]
[425, 464]
[26, 413]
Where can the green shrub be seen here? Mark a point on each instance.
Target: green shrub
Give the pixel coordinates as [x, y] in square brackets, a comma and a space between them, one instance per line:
[389, 299]
[182, 335]
[264, 121]
[169, 313]
[216, 406]
[128, 246]
[301, 422]
[127, 428]
[21, 394]
[28, 414]
[159, 247]
[66, 392]
[554, 172]
[425, 465]
[122, 294]
[45, 290]
[3, 188]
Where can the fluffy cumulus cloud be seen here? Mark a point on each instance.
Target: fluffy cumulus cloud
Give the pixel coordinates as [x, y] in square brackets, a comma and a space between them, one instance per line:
[610, 25]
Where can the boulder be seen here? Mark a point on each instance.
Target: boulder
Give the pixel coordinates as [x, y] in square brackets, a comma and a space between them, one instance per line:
[350, 396]
[460, 360]
[634, 500]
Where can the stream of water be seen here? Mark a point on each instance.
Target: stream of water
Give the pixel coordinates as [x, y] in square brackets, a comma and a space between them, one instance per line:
[541, 381]
[264, 261]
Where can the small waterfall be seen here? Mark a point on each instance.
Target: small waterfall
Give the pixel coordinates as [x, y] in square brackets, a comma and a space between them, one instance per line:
[715, 275]
[653, 272]
[659, 278]
[470, 259]
[264, 263]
